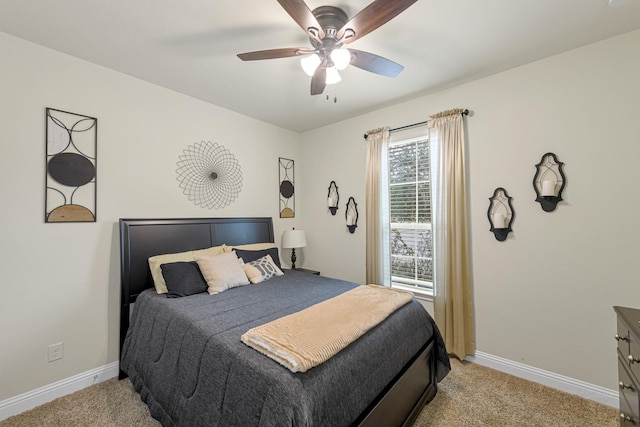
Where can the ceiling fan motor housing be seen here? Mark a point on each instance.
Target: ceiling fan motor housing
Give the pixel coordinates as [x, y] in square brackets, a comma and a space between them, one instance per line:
[331, 19]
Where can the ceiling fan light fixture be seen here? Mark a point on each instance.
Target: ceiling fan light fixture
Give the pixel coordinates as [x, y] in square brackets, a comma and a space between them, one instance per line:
[329, 29]
[332, 76]
[341, 58]
[310, 63]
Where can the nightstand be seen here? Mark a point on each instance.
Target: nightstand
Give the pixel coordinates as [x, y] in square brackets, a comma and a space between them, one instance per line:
[304, 270]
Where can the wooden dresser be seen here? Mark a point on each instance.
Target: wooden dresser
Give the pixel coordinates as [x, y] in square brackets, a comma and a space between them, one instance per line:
[628, 337]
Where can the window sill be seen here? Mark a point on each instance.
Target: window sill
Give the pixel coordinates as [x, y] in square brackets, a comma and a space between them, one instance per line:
[426, 295]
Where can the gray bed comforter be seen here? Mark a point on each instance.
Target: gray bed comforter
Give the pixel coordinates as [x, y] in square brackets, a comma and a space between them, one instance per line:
[185, 358]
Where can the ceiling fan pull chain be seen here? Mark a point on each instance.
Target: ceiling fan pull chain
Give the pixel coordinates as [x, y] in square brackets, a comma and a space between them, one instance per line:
[335, 98]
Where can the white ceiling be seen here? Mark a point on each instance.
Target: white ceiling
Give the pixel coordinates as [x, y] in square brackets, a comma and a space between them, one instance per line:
[190, 46]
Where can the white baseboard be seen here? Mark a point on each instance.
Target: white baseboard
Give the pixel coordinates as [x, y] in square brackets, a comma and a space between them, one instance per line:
[29, 400]
[540, 376]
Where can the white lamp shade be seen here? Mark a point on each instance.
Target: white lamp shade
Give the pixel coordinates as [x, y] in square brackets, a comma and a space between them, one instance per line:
[310, 63]
[293, 239]
[341, 58]
[332, 76]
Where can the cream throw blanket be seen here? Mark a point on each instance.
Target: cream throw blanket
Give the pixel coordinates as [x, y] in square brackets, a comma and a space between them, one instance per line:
[305, 339]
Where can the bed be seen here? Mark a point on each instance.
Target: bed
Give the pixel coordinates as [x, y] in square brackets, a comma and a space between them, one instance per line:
[185, 358]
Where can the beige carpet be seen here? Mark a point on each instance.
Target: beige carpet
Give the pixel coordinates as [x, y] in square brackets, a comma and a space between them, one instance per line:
[471, 395]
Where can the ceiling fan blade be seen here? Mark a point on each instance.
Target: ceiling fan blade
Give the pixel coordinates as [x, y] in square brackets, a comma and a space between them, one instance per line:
[274, 53]
[301, 13]
[373, 16]
[374, 63]
[318, 81]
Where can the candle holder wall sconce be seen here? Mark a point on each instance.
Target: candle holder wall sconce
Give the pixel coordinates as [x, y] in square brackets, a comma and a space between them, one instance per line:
[549, 181]
[333, 198]
[351, 215]
[500, 214]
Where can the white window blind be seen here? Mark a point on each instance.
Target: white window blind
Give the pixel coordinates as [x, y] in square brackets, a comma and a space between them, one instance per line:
[411, 238]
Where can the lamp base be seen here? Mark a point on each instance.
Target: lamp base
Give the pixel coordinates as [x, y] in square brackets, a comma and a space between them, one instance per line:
[293, 258]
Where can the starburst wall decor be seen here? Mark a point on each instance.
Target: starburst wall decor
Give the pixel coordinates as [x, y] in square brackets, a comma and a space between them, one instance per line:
[209, 175]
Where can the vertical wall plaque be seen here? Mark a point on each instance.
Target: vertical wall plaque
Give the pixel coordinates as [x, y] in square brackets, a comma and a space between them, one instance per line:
[287, 188]
[71, 145]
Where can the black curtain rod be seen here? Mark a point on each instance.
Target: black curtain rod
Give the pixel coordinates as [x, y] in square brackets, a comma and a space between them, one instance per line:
[366, 135]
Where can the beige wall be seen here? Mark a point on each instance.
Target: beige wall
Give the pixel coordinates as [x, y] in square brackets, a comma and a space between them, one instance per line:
[60, 282]
[543, 297]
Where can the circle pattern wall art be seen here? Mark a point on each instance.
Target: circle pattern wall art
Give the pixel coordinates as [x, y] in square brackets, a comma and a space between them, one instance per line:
[286, 188]
[71, 140]
[209, 175]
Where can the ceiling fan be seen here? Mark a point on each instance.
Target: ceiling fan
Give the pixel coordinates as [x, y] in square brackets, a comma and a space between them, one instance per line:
[329, 29]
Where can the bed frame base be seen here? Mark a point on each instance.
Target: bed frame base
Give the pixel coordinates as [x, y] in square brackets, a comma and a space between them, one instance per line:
[401, 402]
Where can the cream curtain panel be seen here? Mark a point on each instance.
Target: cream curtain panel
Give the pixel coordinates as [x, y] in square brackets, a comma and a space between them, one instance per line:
[377, 206]
[452, 282]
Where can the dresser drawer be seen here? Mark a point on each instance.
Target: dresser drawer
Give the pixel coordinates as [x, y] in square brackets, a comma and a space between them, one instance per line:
[622, 336]
[634, 359]
[629, 396]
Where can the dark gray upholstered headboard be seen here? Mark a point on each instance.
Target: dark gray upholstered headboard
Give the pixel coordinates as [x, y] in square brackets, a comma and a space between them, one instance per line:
[143, 238]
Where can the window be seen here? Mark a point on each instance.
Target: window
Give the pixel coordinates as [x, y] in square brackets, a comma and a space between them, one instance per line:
[411, 237]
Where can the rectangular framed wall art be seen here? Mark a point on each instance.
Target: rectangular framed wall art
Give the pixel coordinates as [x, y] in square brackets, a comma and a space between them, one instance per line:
[70, 183]
[286, 188]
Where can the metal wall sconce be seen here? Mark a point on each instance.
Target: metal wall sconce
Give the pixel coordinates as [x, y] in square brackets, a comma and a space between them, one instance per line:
[500, 214]
[351, 215]
[549, 182]
[333, 198]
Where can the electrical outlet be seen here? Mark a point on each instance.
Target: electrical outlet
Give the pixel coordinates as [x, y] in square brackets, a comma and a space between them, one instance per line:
[55, 351]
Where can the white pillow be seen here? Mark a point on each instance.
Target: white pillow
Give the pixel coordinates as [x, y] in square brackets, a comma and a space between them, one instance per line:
[261, 269]
[222, 272]
[156, 261]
